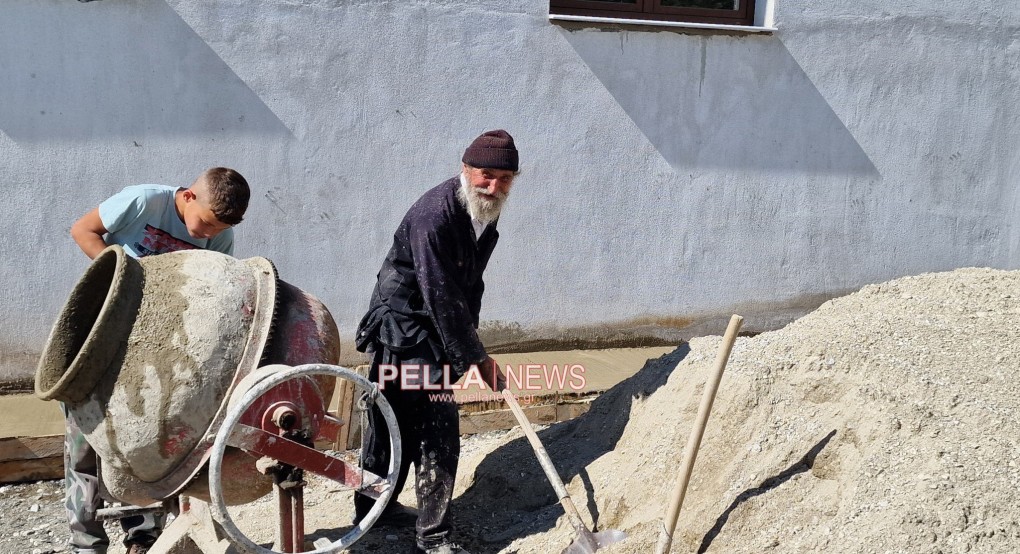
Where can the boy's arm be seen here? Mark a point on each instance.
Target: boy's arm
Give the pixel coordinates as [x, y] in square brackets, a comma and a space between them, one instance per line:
[88, 233]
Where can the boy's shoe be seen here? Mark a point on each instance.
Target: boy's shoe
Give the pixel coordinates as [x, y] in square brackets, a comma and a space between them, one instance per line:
[135, 548]
[447, 548]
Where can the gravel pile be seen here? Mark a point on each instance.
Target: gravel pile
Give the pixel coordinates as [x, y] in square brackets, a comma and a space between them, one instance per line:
[884, 421]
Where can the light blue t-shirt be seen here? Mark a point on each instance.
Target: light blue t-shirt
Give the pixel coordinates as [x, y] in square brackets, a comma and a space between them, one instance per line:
[144, 221]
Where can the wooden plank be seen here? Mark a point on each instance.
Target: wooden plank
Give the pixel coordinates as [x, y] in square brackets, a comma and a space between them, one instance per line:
[493, 420]
[475, 417]
[569, 410]
[480, 422]
[345, 412]
[350, 407]
[31, 458]
[341, 406]
[32, 470]
[30, 448]
[339, 409]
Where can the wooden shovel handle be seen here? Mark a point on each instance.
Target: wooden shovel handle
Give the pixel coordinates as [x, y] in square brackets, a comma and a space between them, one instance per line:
[546, 462]
[691, 452]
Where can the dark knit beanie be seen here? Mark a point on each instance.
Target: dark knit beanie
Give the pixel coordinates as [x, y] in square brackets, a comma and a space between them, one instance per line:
[492, 150]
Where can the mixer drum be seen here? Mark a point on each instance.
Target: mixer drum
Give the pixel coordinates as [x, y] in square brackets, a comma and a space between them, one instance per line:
[146, 353]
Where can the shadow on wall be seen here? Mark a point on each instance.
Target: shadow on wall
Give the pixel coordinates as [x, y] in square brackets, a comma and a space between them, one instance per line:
[725, 102]
[75, 71]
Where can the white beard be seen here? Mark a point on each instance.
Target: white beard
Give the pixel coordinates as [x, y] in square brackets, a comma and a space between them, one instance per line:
[483, 210]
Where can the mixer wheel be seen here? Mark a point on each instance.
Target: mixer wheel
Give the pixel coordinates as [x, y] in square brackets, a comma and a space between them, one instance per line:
[253, 423]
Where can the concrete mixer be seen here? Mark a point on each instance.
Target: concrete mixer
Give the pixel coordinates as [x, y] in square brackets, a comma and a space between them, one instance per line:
[198, 375]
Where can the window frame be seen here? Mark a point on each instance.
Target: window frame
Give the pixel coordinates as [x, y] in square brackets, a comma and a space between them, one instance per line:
[653, 10]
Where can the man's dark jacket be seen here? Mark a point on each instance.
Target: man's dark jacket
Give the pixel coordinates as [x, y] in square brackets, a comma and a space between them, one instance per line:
[430, 285]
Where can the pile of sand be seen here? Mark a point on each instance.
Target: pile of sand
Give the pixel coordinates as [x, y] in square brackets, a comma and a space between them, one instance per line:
[885, 421]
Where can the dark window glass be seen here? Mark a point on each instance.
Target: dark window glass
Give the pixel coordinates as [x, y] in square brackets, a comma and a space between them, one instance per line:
[709, 4]
[729, 12]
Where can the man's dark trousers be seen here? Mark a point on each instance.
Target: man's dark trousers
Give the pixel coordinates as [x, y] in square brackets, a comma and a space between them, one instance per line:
[430, 438]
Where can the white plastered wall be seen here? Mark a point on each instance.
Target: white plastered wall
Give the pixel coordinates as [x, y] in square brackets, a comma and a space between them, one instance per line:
[667, 176]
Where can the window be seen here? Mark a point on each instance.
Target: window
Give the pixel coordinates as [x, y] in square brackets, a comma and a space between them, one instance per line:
[725, 12]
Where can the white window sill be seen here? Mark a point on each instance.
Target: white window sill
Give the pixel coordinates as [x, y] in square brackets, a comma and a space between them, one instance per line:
[655, 23]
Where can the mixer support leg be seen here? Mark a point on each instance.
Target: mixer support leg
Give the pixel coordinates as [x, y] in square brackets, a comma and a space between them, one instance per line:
[285, 531]
[298, 516]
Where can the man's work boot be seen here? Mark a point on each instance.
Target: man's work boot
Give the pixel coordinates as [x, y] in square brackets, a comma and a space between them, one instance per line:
[445, 548]
[396, 515]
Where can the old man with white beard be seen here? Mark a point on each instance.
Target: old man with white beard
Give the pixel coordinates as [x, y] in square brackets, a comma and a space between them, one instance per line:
[423, 321]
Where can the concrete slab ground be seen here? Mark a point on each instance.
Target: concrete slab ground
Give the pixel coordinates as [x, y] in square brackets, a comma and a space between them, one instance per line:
[27, 416]
[571, 373]
[551, 386]
[566, 373]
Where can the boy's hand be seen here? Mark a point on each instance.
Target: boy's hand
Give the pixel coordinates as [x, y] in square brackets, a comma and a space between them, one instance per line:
[492, 375]
[88, 233]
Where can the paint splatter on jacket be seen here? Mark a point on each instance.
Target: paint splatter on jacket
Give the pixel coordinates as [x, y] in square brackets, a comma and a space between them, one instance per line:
[430, 286]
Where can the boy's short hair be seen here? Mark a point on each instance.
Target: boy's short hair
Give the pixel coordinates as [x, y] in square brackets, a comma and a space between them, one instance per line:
[228, 194]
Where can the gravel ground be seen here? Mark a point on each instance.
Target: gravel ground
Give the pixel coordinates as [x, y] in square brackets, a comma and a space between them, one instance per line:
[34, 520]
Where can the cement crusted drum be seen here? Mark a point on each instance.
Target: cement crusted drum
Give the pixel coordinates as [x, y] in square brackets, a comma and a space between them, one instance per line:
[151, 375]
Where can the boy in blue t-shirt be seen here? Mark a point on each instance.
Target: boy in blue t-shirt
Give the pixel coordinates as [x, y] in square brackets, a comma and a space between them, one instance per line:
[144, 220]
[156, 219]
